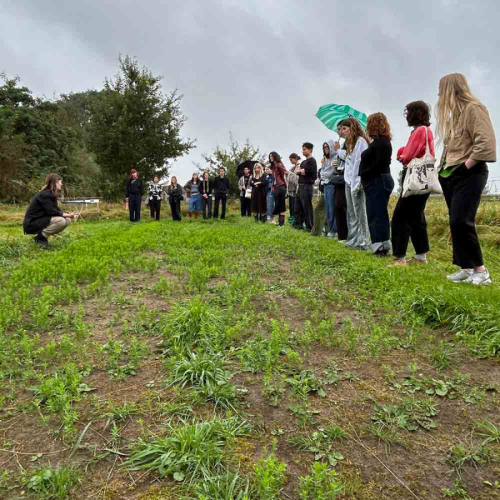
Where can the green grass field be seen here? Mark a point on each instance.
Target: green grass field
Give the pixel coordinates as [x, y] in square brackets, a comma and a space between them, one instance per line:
[230, 360]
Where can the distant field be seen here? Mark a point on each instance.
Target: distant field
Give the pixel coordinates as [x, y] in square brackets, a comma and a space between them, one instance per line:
[230, 360]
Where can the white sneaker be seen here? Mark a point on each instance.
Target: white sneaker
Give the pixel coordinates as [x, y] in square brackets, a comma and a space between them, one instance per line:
[331, 235]
[459, 276]
[479, 278]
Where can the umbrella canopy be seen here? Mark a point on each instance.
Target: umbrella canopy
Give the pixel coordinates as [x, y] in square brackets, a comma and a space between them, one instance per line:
[332, 114]
[246, 164]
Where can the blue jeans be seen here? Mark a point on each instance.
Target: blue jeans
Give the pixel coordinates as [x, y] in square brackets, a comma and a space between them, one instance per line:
[270, 204]
[195, 203]
[329, 192]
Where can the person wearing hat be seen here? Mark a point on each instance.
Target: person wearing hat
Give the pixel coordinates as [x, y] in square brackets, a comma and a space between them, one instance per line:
[133, 195]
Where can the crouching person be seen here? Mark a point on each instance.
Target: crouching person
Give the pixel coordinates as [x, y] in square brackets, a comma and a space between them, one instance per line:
[43, 217]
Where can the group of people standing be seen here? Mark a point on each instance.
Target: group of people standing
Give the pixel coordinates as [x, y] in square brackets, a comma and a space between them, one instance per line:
[348, 196]
[199, 191]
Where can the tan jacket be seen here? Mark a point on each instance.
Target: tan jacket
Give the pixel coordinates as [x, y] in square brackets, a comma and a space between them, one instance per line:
[474, 138]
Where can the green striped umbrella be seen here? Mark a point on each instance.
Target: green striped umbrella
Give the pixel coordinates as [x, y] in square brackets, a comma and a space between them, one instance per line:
[332, 114]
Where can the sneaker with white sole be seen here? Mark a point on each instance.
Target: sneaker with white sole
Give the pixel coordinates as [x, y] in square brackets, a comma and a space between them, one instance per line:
[331, 235]
[479, 278]
[459, 276]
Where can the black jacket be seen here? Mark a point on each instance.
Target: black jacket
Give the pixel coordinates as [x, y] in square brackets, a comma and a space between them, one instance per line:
[175, 194]
[311, 168]
[376, 160]
[134, 188]
[203, 189]
[221, 186]
[43, 206]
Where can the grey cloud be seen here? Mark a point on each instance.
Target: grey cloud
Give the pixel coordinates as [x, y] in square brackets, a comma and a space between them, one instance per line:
[261, 69]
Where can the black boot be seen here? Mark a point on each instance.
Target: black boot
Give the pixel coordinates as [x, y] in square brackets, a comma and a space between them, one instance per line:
[282, 220]
[263, 219]
[256, 218]
[41, 240]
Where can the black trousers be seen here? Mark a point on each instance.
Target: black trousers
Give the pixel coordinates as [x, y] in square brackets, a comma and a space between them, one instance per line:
[246, 206]
[408, 221]
[462, 192]
[220, 198]
[305, 207]
[378, 191]
[134, 207]
[291, 205]
[206, 204]
[175, 207]
[279, 200]
[341, 212]
[154, 208]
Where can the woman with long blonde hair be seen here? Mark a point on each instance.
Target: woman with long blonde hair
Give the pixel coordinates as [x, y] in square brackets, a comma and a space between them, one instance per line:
[464, 127]
[356, 143]
[258, 184]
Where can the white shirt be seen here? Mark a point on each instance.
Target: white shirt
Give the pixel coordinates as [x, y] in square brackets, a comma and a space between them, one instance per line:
[352, 161]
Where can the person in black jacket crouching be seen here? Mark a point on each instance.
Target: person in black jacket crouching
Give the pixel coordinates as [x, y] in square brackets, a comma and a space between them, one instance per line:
[43, 217]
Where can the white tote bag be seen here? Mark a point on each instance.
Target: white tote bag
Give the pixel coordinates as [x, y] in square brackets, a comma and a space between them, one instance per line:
[422, 175]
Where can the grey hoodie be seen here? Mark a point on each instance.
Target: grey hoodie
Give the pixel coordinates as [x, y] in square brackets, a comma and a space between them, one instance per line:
[328, 168]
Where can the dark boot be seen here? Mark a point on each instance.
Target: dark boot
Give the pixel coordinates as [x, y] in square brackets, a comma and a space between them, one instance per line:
[41, 240]
[282, 220]
[256, 218]
[263, 219]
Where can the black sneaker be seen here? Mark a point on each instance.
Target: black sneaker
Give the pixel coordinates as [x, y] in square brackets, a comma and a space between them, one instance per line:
[41, 240]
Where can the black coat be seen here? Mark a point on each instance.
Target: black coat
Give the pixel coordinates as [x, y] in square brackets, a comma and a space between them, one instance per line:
[43, 206]
[175, 195]
[221, 186]
[210, 187]
[134, 188]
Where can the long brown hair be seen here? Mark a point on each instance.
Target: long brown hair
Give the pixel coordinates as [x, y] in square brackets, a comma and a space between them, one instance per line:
[454, 95]
[356, 133]
[51, 183]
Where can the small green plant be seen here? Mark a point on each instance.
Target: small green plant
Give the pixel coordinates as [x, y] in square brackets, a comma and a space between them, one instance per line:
[306, 382]
[274, 388]
[190, 452]
[458, 491]
[53, 483]
[441, 357]
[320, 444]
[461, 454]
[269, 477]
[198, 370]
[487, 430]
[331, 374]
[387, 434]
[411, 414]
[303, 413]
[228, 486]
[321, 484]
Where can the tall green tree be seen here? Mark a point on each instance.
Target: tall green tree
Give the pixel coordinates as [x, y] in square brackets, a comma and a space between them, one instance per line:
[135, 125]
[34, 141]
[230, 158]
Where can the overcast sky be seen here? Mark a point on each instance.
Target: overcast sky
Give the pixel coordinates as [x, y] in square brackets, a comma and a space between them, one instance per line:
[260, 68]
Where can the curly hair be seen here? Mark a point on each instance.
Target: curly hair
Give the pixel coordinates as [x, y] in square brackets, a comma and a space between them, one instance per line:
[418, 113]
[377, 125]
